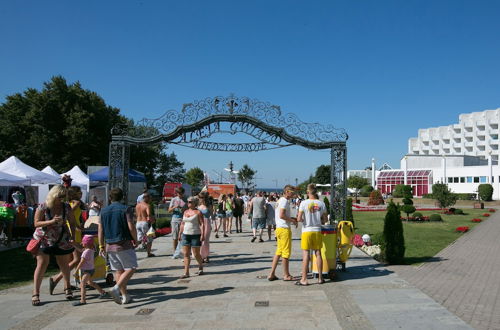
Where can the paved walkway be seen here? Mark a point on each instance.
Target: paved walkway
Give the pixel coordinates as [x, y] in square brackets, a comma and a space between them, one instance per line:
[465, 276]
[367, 296]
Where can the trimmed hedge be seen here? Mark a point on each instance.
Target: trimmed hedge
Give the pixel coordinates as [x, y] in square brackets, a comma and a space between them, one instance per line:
[435, 217]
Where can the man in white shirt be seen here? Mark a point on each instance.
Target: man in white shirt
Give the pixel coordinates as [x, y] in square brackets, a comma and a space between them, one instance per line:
[312, 214]
[283, 234]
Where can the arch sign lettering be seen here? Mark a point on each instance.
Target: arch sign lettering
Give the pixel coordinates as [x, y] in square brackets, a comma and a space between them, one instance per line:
[262, 126]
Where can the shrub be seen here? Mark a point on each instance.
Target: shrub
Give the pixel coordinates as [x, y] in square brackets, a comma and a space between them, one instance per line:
[491, 210]
[162, 223]
[486, 214]
[435, 217]
[348, 211]
[458, 212]
[376, 198]
[430, 196]
[485, 191]
[408, 209]
[465, 197]
[394, 251]
[443, 195]
[418, 215]
[407, 195]
[398, 191]
[327, 204]
[366, 190]
[378, 239]
[476, 220]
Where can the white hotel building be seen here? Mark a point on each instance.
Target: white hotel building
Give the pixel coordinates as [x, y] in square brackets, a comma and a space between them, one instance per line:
[464, 155]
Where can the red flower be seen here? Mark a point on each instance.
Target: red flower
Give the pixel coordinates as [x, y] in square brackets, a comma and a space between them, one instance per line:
[492, 210]
[486, 215]
[476, 220]
[462, 229]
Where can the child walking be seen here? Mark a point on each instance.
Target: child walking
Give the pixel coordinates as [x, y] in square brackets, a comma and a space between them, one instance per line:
[86, 266]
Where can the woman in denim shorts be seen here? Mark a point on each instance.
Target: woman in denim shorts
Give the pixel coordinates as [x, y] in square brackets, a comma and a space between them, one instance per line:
[193, 233]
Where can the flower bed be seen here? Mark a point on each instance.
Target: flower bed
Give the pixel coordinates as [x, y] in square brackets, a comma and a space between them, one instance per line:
[373, 250]
[358, 241]
[476, 220]
[462, 229]
[491, 210]
[486, 214]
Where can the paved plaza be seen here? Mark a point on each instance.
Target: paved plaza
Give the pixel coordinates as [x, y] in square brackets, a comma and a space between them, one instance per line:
[231, 295]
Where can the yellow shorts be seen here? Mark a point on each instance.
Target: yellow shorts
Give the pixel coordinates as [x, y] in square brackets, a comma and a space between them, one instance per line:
[311, 240]
[284, 236]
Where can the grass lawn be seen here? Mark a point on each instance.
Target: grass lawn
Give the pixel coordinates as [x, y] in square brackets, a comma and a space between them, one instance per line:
[422, 240]
[17, 268]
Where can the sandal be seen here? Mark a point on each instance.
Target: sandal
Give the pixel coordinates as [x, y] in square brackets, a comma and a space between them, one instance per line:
[35, 300]
[200, 272]
[184, 276]
[52, 285]
[274, 278]
[321, 282]
[288, 279]
[299, 283]
[68, 294]
[79, 303]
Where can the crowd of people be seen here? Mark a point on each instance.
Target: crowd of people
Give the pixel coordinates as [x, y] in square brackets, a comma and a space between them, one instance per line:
[59, 232]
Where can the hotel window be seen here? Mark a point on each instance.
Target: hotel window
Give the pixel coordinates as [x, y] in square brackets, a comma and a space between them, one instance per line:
[469, 179]
[483, 179]
[462, 179]
[450, 180]
[492, 179]
[455, 180]
[476, 179]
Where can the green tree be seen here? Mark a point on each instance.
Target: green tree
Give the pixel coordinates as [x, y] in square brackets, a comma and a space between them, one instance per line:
[394, 241]
[443, 195]
[366, 190]
[61, 125]
[246, 176]
[376, 198]
[356, 182]
[485, 192]
[398, 191]
[407, 194]
[194, 177]
[323, 174]
[348, 211]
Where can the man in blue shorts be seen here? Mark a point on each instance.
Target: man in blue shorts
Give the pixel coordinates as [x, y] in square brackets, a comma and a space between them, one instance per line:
[259, 216]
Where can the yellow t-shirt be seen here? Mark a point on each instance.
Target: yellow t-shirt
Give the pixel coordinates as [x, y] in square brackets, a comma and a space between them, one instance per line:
[77, 213]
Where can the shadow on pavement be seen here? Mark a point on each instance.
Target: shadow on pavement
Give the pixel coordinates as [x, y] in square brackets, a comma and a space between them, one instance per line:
[362, 271]
[152, 279]
[161, 296]
[418, 260]
[235, 271]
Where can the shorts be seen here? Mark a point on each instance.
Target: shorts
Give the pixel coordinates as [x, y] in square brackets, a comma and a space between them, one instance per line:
[284, 248]
[176, 226]
[122, 260]
[221, 214]
[142, 231]
[270, 222]
[88, 271]
[237, 214]
[311, 240]
[191, 240]
[229, 214]
[259, 223]
[56, 251]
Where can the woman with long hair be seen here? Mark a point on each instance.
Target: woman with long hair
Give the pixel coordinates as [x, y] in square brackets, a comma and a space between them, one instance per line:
[55, 238]
[221, 215]
[204, 208]
[74, 194]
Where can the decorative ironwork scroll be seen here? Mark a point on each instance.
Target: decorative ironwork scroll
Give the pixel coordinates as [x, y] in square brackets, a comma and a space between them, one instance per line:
[200, 120]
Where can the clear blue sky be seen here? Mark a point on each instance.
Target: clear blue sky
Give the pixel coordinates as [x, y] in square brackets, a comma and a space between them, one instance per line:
[379, 69]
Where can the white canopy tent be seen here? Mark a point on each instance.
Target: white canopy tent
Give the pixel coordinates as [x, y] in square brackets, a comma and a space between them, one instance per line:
[79, 179]
[12, 180]
[15, 166]
[50, 170]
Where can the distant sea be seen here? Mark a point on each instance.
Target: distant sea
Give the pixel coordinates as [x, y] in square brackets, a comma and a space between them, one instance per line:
[278, 190]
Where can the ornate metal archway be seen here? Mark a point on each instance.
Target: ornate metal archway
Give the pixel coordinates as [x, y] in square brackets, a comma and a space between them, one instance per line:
[197, 122]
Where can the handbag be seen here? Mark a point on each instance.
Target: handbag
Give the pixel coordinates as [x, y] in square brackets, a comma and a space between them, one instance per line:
[33, 246]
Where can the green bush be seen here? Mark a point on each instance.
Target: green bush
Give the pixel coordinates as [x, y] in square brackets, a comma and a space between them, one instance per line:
[398, 191]
[428, 196]
[417, 215]
[485, 192]
[458, 212]
[366, 190]
[435, 217]
[348, 211]
[443, 195]
[162, 223]
[327, 204]
[465, 197]
[378, 239]
[394, 251]
[408, 209]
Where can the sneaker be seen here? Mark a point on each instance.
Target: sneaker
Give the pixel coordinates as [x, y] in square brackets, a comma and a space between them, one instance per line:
[261, 240]
[253, 239]
[115, 294]
[126, 299]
